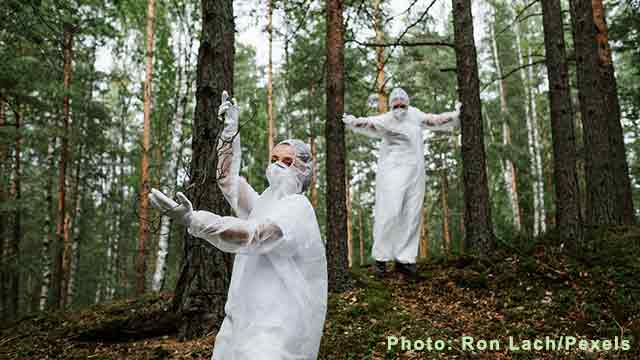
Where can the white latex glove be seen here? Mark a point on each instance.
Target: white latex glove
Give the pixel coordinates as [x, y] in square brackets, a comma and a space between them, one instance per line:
[348, 119]
[458, 107]
[180, 211]
[230, 109]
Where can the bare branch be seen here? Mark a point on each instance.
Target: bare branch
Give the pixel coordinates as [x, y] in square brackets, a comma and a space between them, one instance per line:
[518, 68]
[517, 18]
[402, 13]
[405, 44]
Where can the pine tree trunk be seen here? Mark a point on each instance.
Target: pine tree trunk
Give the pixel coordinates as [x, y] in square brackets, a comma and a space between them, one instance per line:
[201, 291]
[509, 171]
[349, 225]
[361, 236]
[622, 182]
[424, 239]
[3, 218]
[63, 247]
[339, 279]
[567, 188]
[71, 231]
[314, 176]
[445, 211]
[314, 149]
[477, 214]
[270, 119]
[599, 172]
[143, 229]
[5, 172]
[13, 250]
[380, 83]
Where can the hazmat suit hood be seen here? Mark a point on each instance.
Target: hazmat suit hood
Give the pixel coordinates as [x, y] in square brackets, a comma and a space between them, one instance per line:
[399, 96]
[294, 179]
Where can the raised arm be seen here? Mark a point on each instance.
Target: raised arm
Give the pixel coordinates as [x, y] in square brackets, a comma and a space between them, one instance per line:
[446, 121]
[370, 126]
[239, 194]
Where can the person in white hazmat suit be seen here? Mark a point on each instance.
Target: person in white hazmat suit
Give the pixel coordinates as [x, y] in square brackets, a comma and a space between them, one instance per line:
[400, 178]
[277, 298]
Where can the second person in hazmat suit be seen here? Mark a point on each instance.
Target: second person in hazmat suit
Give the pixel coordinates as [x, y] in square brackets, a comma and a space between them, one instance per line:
[400, 177]
[277, 298]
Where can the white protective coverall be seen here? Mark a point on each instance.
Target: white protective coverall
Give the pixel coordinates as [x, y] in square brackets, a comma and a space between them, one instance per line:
[400, 176]
[277, 298]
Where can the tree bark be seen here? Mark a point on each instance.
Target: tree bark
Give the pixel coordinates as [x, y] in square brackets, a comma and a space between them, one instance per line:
[424, 239]
[4, 169]
[349, 224]
[71, 231]
[339, 279]
[61, 273]
[621, 180]
[477, 214]
[567, 186]
[143, 229]
[361, 236]
[314, 149]
[567, 189]
[201, 291]
[600, 185]
[13, 253]
[380, 83]
[445, 211]
[270, 119]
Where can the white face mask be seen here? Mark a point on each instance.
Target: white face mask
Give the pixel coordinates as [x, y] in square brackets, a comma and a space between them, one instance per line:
[399, 113]
[283, 178]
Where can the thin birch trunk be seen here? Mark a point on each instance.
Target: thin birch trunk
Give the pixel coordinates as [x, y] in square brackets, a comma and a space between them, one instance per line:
[539, 180]
[509, 171]
[531, 138]
[48, 236]
[165, 221]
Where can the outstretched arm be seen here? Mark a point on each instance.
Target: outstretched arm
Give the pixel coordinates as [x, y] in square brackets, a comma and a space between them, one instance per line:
[235, 235]
[370, 126]
[445, 121]
[239, 194]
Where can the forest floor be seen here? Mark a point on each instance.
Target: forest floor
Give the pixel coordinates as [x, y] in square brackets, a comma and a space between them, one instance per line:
[533, 293]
